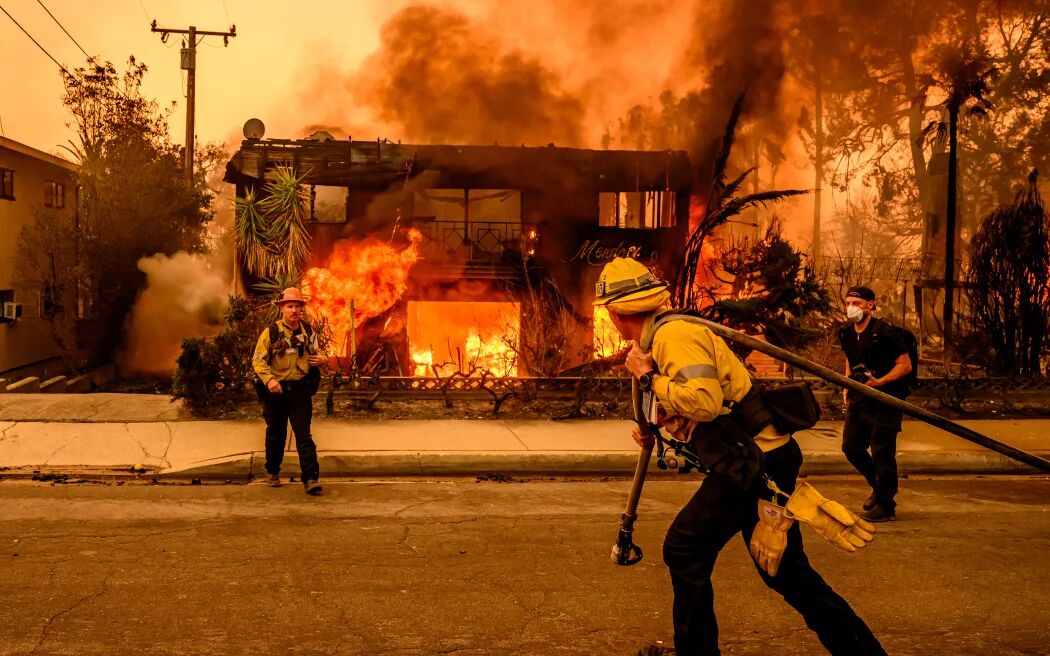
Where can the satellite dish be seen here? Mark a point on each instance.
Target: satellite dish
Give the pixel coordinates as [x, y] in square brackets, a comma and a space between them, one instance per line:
[254, 129]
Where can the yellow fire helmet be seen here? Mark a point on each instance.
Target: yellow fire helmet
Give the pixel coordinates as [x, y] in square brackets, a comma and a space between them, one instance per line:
[627, 286]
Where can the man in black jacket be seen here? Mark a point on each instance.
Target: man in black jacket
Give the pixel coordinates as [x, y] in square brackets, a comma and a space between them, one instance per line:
[877, 355]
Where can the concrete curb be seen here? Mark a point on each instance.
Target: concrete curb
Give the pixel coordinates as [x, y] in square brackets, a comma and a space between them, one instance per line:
[244, 466]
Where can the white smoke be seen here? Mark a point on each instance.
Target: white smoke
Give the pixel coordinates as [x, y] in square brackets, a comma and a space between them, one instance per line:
[185, 296]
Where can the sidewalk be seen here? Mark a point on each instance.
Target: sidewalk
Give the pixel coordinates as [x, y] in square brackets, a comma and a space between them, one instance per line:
[152, 432]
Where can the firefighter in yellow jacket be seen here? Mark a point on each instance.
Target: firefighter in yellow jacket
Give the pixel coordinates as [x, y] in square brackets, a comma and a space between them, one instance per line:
[696, 379]
[287, 364]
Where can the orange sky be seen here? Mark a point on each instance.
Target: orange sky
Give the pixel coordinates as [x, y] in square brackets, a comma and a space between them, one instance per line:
[292, 63]
[257, 75]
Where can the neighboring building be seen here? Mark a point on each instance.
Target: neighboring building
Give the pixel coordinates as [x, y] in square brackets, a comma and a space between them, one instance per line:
[31, 181]
[482, 210]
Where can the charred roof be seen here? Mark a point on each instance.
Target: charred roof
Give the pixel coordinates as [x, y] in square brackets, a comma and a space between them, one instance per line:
[379, 164]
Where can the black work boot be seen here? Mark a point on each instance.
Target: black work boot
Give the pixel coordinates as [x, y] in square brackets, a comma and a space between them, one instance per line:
[880, 514]
[870, 502]
[312, 487]
[274, 480]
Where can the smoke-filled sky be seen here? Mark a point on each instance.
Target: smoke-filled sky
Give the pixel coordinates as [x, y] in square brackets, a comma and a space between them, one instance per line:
[568, 67]
[278, 45]
[588, 73]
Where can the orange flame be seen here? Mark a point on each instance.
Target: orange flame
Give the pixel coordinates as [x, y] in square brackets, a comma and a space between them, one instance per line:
[607, 340]
[697, 210]
[371, 273]
[469, 337]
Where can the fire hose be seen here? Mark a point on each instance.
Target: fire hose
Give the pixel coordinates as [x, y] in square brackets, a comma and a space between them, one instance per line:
[625, 552]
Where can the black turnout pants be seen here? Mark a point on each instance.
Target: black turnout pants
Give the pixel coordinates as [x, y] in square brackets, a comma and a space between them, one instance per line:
[877, 430]
[294, 405]
[717, 512]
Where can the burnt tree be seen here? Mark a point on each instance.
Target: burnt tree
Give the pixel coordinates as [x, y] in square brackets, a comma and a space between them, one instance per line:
[1009, 282]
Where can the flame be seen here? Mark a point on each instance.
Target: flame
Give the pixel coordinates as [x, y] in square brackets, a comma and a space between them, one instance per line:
[371, 273]
[492, 354]
[423, 361]
[470, 337]
[697, 210]
[607, 340]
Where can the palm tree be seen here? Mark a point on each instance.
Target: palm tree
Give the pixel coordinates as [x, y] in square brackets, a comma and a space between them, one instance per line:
[965, 74]
[253, 236]
[285, 206]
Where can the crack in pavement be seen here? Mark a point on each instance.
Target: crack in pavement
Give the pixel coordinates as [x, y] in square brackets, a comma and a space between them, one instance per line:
[3, 431]
[145, 451]
[65, 611]
[410, 506]
[54, 453]
[171, 438]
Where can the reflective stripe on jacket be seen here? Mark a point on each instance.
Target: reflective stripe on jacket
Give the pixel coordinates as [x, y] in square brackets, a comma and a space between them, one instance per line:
[698, 371]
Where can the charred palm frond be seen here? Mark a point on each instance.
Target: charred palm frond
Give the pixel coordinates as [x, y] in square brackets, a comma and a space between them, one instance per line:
[771, 290]
[722, 206]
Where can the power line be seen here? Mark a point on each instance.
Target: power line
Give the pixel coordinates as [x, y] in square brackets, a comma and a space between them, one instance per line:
[39, 2]
[42, 48]
[148, 17]
[227, 10]
[70, 78]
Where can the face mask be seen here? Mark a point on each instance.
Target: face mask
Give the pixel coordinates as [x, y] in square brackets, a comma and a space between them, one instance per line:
[854, 314]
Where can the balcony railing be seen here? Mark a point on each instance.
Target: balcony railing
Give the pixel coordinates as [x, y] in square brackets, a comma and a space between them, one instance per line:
[487, 239]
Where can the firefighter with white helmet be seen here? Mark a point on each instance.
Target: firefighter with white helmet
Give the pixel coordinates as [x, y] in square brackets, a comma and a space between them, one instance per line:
[704, 391]
[287, 364]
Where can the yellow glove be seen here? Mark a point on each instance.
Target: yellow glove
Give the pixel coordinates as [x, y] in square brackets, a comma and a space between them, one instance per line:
[830, 518]
[770, 537]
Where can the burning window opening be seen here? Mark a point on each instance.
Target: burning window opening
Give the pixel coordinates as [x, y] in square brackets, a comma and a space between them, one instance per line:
[469, 337]
[328, 204]
[607, 340]
[636, 209]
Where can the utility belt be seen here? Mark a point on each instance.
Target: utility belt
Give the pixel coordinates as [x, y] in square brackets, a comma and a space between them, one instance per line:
[309, 384]
[726, 445]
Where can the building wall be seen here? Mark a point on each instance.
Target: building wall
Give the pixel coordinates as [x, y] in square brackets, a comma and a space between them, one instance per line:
[27, 341]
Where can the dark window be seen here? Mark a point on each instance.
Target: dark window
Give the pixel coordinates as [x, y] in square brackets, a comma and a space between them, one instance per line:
[7, 184]
[54, 194]
[6, 296]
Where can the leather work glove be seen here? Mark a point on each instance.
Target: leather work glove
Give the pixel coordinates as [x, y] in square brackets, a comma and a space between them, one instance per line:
[679, 427]
[769, 540]
[830, 518]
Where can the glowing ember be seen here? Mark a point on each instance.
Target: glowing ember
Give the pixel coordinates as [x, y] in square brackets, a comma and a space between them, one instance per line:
[607, 341]
[372, 273]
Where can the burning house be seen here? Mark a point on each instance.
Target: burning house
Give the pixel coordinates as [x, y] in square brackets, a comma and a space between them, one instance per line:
[438, 258]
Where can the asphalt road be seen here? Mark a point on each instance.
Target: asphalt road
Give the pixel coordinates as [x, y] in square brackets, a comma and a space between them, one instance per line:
[465, 567]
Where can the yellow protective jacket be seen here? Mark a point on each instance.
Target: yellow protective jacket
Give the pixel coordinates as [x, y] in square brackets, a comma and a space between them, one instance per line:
[285, 364]
[697, 372]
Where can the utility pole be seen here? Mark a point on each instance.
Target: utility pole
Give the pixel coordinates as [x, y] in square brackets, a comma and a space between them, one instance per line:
[189, 64]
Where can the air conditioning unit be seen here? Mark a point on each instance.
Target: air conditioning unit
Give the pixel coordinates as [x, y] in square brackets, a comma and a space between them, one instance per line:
[12, 311]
